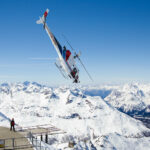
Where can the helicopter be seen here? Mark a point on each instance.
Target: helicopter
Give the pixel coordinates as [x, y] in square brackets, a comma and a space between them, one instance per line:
[66, 62]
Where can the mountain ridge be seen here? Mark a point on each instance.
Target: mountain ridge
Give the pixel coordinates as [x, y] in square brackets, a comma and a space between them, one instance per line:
[81, 115]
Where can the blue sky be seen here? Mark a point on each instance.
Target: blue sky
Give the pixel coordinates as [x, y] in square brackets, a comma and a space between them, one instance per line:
[113, 36]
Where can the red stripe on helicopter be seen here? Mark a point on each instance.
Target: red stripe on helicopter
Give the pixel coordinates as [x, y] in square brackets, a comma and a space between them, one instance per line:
[68, 53]
[45, 14]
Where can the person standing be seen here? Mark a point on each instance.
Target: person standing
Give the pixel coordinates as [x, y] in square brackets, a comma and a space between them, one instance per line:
[12, 125]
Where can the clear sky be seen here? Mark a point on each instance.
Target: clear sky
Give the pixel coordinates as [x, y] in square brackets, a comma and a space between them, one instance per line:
[113, 36]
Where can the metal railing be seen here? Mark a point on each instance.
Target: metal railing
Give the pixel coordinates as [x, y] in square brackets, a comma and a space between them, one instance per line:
[16, 143]
[22, 143]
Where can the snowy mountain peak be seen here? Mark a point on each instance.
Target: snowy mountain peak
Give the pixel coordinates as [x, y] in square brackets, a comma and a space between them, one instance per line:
[77, 111]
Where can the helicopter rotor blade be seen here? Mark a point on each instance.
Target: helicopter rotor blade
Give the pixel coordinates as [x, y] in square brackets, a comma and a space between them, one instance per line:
[77, 56]
[40, 58]
[85, 68]
[69, 43]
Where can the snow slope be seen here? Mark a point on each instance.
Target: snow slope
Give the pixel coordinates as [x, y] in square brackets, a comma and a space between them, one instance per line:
[133, 99]
[88, 119]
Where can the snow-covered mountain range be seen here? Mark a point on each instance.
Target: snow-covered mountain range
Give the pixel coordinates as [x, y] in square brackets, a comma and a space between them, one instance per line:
[95, 117]
[132, 99]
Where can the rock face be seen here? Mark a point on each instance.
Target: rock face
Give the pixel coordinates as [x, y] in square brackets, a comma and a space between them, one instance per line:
[89, 115]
